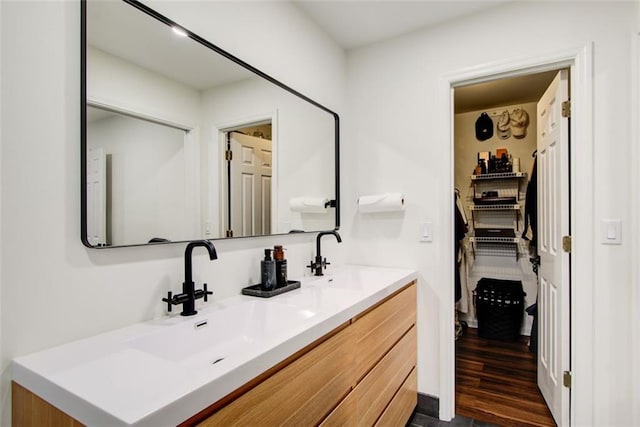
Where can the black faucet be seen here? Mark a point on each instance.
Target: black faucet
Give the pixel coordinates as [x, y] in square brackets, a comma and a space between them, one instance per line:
[189, 294]
[320, 263]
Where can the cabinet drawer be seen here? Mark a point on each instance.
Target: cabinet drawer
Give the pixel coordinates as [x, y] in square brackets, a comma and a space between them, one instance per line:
[344, 415]
[377, 389]
[379, 329]
[402, 405]
[302, 393]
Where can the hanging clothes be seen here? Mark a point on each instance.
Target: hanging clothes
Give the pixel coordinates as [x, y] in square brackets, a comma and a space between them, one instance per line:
[460, 231]
[531, 209]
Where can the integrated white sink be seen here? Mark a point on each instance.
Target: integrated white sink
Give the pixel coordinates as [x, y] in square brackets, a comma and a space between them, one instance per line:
[211, 334]
[163, 371]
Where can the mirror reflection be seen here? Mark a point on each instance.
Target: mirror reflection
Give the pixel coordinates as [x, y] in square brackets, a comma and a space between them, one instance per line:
[182, 143]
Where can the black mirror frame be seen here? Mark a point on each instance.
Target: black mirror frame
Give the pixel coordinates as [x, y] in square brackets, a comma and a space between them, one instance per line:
[83, 117]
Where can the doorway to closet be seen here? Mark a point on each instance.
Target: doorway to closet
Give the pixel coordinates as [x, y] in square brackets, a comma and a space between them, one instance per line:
[502, 130]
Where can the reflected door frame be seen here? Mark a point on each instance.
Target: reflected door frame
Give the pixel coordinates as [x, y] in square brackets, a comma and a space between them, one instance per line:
[215, 226]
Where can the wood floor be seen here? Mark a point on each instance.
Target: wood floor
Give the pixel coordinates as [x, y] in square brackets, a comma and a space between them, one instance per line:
[496, 382]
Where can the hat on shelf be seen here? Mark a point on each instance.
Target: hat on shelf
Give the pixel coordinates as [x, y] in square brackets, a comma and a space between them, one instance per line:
[484, 127]
[519, 123]
[504, 125]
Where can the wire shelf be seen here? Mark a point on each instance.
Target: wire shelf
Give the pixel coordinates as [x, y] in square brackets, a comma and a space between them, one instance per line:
[503, 175]
[512, 240]
[514, 207]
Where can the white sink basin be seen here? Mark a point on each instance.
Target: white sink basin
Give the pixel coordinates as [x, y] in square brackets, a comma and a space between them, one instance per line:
[211, 332]
[351, 279]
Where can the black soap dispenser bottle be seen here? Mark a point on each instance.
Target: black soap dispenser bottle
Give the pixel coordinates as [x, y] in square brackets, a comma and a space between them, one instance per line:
[268, 272]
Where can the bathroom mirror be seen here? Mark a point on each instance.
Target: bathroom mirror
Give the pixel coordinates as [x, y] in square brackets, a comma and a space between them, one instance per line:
[182, 141]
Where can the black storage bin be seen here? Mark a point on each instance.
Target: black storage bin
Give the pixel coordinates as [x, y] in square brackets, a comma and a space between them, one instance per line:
[499, 308]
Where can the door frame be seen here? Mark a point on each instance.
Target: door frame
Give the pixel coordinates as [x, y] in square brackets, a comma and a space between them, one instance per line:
[580, 61]
[635, 212]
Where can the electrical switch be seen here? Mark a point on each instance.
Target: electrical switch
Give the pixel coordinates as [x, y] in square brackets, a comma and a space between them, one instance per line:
[611, 231]
[426, 234]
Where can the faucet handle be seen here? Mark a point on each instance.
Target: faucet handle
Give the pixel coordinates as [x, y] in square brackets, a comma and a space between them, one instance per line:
[325, 263]
[168, 300]
[206, 292]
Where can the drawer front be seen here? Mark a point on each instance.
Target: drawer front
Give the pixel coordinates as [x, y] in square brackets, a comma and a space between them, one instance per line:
[403, 403]
[380, 385]
[302, 393]
[344, 415]
[379, 329]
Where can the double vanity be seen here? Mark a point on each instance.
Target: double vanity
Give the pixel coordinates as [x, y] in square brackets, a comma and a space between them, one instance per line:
[341, 350]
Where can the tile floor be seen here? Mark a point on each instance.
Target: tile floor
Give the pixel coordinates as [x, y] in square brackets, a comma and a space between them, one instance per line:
[421, 420]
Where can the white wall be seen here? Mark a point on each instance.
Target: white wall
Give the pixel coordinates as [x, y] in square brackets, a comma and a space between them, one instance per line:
[55, 290]
[397, 141]
[146, 179]
[120, 84]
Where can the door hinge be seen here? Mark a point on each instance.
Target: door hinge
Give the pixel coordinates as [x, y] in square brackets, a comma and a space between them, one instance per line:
[566, 379]
[566, 109]
[566, 244]
[228, 155]
[229, 233]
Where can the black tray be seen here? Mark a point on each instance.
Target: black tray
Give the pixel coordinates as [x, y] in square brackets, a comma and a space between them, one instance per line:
[256, 290]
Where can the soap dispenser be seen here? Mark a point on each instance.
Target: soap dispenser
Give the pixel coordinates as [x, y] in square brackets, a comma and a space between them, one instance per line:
[281, 266]
[268, 272]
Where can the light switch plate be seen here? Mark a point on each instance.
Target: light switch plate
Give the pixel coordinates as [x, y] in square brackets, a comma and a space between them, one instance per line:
[611, 230]
[426, 232]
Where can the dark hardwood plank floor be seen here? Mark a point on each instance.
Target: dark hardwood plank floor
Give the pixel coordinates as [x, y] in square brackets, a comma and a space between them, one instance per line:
[496, 382]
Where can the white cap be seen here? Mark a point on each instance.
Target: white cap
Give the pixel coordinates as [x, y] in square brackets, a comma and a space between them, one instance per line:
[519, 123]
[503, 127]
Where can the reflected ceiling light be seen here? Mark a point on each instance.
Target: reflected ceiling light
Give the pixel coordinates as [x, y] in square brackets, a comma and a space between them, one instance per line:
[179, 31]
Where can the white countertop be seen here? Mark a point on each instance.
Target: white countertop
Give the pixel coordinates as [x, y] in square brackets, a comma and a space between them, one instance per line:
[162, 372]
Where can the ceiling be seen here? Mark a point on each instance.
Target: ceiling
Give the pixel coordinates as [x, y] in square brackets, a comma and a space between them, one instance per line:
[498, 93]
[357, 23]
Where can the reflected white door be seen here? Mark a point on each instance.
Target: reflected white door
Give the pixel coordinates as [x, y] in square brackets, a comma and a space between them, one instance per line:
[96, 197]
[553, 224]
[251, 170]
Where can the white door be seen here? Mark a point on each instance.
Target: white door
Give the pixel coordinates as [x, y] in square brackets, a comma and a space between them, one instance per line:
[553, 224]
[250, 185]
[96, 197]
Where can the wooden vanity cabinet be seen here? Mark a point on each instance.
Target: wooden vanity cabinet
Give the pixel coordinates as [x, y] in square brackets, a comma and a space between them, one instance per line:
[361, 374]
[386, 343]
[369, 380]
[300, 394]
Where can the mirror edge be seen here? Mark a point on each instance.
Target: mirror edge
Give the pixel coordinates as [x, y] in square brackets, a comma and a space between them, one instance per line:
[83, 122]
[83, 125]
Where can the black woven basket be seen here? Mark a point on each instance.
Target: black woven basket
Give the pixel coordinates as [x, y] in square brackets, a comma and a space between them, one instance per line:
[499, 308]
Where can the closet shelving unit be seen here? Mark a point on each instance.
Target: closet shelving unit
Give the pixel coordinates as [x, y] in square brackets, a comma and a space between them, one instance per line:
[498, 245]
